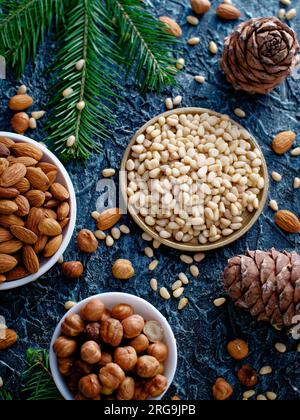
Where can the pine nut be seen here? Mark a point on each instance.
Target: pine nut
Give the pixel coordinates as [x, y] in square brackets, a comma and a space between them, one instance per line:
[109, 241]
[156, 244]
[281, 13]
[164, 293]
[261, 398]
[297, 183]
[178, 292]
[153, 265]
[61, 260]
[199, 257]
[266, 370]
[38, 114]
[80, 64]
[177, 100]
[149, 252]
[296, 151]
[154, 285]
[192, 20]
[213, 48]
[108, 173]
[71, 141]
[249, 394]
[240, 113]
[22, 90]
[146, 237]
[273, 205]
[95, 215]
[219, 302]
[183, 303]
[194, 271]
[180, 64]
[169, 103]
[80, 106]
[200, 79]
[186, 259]
[116, 233]
[124, 229]
[69, 305]
[271, 396]
[194, 41]
[183, 278]
[100, 235]
[276, 176]
[291, 14]
[286, 2]
[32, 123]
[67, 92]
[177, 285]
[280, 347]
[1, 382]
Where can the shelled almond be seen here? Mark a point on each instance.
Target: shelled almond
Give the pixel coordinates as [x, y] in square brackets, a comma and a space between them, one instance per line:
[34, 209]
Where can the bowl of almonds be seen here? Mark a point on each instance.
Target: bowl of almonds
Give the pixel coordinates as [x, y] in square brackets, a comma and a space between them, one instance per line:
[194, 179]
[37, 210]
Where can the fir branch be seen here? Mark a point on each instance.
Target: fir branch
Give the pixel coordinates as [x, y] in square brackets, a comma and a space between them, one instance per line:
[5, 395]
[37, 378]
[145, 44]
[85, 38]
[23, 25]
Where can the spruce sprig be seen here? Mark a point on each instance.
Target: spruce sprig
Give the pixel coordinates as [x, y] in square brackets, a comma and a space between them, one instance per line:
[5, 395]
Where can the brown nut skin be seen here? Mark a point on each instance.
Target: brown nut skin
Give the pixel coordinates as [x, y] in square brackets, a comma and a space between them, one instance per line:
[140, 393]
[133, 326]
[126, 358]
[92, 331]
[89, 386]
[82, 368]
[161, 369]
[92, 310]
[222, 390]
[248, 376]
[156, 386]
[87, 242]
[238, 349]
[112, 332]
[122, 311]
[147, 366]
[72, 269]
[140, 343]
[123, 270]
[90, 352]
[64, 347]
[107, 391]
[65, 366]
[106, 315]
[111, 376]
[73, 325]
[158, 350]
[126, 390]
[106, 358]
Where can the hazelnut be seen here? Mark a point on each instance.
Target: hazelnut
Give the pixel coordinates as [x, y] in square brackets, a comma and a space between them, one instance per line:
[140, 343]
[92, 331]
[72, 269]
[73, 383]
[147, 366]
[159, 351]
[64, 347]
[156, 386]
[140, 393]
[126, 390]
[238, 349]
[200, 6]
[86, 241]
[89, 386]
[107, 391]
[90, 352]
[122, 311]
[73, 325]
[123, 270]
[65, 366]
[111, 376]
[105, 359]
[126, 358]
[82, 368]
[93, 310]
[20, 122]
[248, 376]
[161, 369]
[106, 315]
[80, 397]
[222, 390]
[112, 332]
[133, 326]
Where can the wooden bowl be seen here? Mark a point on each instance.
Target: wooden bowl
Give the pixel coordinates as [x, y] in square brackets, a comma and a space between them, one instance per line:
[249, 218]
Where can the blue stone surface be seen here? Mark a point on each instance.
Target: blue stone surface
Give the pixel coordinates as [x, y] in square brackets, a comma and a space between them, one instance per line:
[202, 331]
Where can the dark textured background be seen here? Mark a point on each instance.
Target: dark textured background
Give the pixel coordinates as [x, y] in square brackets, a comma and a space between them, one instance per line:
[202, 331]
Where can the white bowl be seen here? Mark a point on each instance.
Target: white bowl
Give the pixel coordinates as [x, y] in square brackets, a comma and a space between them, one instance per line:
[63, 178]
[142, 307]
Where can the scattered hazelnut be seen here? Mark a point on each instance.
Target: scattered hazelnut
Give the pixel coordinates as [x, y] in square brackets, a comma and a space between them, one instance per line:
[65, 366]
[92, 331]
[222, 390]
[111, 376]
[112, 332]
[133, 326]
[20, 122]
[106, 358]
[126, 358]
[73, 325]
[200, 6]
[93, 310]
[159, 351]
[72, 269]
[248, 376]
[126, 390]
[238, 349]
[64, 347]
[123, 270]
[157, 386]
[90, 352]
[89, 386]
[147, 366]
[122, 311]
[140, 343]
[86, 241]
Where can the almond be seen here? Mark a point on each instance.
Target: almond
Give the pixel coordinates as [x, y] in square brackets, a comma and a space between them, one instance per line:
[283, 141]
[5, 235]
[47, 167]
[228, 12]
[12, 175]
[51, 204]
[36, 198]
[52, 246]
[28, 150]
[64, 222]
[108, 219]
[34, 218]
[50, 227]
[16, 273]
[8, 207]
[20, 122]
[7, 263]
[50, 213]
[59, 192]
[30, 259]
[8, 192]
[6, 220]
[40, 244]
[52, 175]
[10, 247]
[4, 151]
[8, 340]
[287, 221]
[27, 161]
[20, 102]
[63, 211]
[23, 186]
[7, 142]
[23, 206]
[4, 164]
[24, 235]
[172, 27]
[38, 179]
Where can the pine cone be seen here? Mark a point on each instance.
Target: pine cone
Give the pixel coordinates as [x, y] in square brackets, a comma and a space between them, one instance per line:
[267, 284]
[260, 54]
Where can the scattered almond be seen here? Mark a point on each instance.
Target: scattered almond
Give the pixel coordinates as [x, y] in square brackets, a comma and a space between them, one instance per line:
[287, 221]
[283, 141]
[228, 12]
[10, 338]
[172, 27]
[20, 102]
[108, 219]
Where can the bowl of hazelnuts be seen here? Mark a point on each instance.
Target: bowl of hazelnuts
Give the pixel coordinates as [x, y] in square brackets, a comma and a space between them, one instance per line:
[113, 346]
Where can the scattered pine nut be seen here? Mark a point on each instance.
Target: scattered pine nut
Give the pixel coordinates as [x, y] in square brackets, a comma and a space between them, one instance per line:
[199, 257]
[61, 260]
[183, 303]
[240, 113]
[194, 271]
[249, 394]
[178, 292]
[156, 244]
[154, 285]
[280, 347]
[149, 252]
[71, 141]
[276, 176]
[186, 259]
[164, 293]
[177, 285]
[297, 183]
[274, 205]
[69, 305]
[180, 64]
[38, 114]
[1, 382]
[213, 48]
[169, 104]
[296, 151]
[265, 370]
[286, 2]
[124, 229]
[271, 396]
[109, 241]
[67, 92]
[116, 233]
[192, 20]
[80, 106]
[22, 90]
[281, 13]
[194, 41]
[291, 14]
[183, 278]
[219, 302]
[80, 64]
[147, 237]
[95, 215]
[108, 173]
[100, 235]
[200, 79]
[261, 398]
[177, 101]
[153, 265]
[32, 123]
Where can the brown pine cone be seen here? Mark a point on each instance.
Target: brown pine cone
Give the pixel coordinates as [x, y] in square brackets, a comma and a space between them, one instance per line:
[260, 54]
[267, 284]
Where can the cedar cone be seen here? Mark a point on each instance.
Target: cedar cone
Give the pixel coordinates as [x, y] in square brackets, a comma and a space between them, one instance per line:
[267, 284]
[260, 54]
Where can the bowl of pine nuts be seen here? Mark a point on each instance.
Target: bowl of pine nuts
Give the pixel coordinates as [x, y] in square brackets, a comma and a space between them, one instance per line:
[194, 179]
